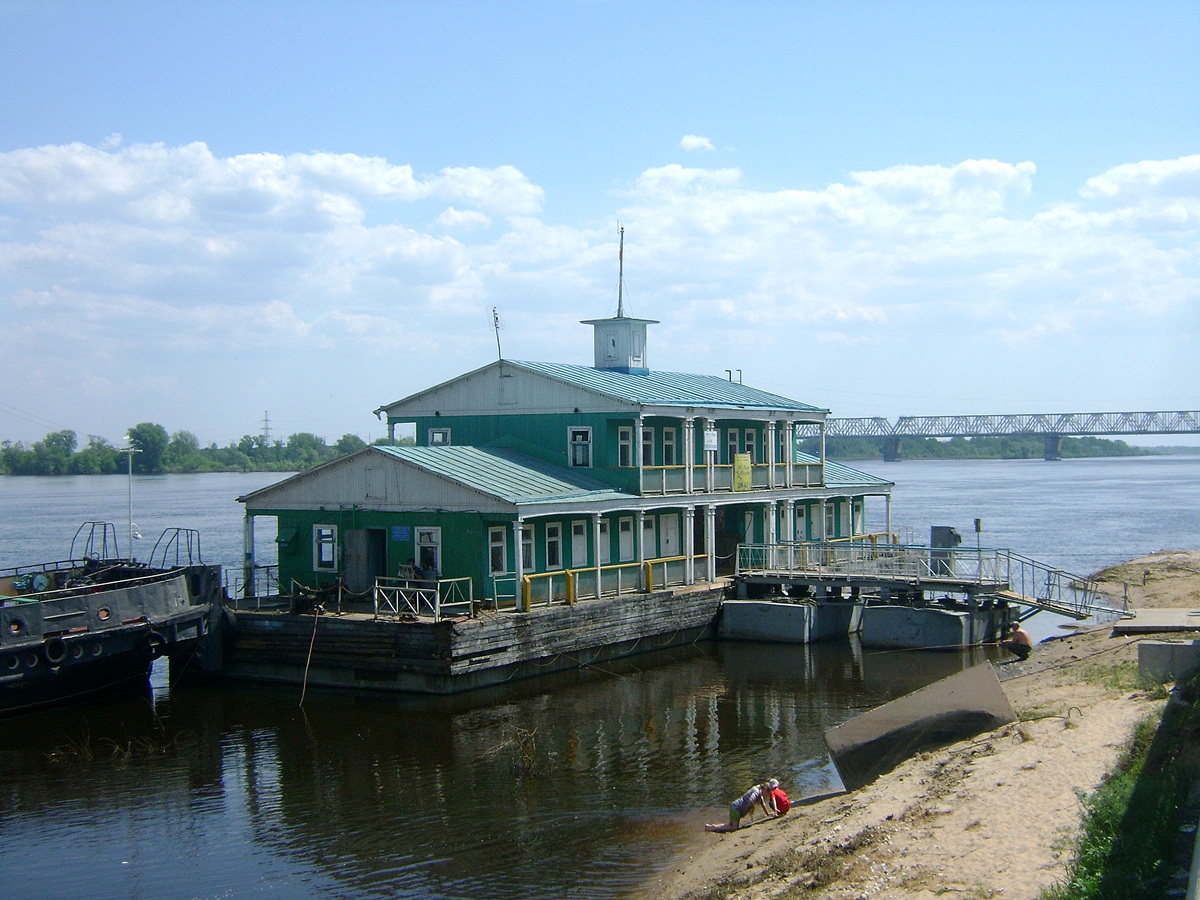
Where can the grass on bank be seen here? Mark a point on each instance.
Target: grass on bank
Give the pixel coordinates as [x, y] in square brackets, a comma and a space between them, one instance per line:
[1138, 825]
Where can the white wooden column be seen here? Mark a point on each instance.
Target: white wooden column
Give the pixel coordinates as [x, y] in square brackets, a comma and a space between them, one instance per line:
[772, 452]
[247, 554]
[518, 557]
[689, 544]
[710, 541]
[596, 550]
[689, 454]
[709, 457]
[789, 437]
[637, 448]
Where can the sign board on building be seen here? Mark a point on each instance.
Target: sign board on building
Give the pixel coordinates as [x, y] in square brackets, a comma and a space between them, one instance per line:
[742, 479]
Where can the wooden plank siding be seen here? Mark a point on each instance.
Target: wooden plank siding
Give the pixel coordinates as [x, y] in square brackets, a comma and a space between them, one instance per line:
[462, 654]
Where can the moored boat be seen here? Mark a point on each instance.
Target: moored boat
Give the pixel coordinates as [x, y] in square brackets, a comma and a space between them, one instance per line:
[95, 622]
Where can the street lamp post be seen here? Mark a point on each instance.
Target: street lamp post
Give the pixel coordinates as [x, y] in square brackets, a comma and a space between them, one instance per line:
[129, 451]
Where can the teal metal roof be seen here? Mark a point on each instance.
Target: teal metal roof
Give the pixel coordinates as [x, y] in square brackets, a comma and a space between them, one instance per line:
[838, 475]
[667, 388]
[513, 477]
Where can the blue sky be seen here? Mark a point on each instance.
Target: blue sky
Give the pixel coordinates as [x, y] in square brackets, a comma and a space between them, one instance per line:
[213, 210]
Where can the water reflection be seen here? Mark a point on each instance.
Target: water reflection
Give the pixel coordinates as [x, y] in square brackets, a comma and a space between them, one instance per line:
[581, 784]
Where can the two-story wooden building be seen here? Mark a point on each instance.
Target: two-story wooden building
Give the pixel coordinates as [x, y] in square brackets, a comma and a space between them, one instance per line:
[551, 480]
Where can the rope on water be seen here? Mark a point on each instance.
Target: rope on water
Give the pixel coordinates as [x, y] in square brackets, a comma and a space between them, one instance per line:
[311, 643]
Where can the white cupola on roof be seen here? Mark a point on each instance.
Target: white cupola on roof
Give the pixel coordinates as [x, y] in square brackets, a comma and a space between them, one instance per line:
[620, 342]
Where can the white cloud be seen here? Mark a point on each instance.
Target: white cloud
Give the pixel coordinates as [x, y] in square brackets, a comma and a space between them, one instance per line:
[693, 142]
[253, 266]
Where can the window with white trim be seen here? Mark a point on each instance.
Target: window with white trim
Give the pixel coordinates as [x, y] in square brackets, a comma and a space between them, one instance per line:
[731, 439]
[647, 446]
[625, 446]
[605, 546]
[325, 548]
[439, 437]
[498, 550]
[579, 451]
[669, 457]
[526, 548]
[752, 444]
[554, 546]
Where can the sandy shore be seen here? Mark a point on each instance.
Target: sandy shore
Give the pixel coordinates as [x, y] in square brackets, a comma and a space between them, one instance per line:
[990, 817]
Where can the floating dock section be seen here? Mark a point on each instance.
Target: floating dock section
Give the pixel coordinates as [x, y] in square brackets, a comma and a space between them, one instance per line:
[358, 650]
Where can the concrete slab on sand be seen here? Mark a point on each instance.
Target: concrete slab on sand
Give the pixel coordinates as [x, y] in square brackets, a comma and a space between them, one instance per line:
[1150, 621]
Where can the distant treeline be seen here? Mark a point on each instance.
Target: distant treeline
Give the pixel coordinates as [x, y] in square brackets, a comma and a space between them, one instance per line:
[156, 452]
[1007, 447]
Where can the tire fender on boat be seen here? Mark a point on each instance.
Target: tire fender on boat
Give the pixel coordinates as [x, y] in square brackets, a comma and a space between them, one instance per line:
[55, 651]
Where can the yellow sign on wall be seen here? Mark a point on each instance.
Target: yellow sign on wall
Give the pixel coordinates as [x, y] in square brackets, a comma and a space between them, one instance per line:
[742, 480]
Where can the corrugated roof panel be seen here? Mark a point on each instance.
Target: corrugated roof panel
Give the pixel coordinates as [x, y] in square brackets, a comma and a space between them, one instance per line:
[669, 388]
[839, 475]
[510, 476]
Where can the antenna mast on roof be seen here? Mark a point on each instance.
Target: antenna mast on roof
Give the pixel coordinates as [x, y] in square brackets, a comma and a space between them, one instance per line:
[621, 277]
[496, 327]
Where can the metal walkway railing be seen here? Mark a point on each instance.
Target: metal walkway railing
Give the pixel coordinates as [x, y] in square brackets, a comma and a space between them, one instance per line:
[983, 572]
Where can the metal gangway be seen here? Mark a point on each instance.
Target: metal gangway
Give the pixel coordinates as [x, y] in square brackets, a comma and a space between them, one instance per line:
[986, 573]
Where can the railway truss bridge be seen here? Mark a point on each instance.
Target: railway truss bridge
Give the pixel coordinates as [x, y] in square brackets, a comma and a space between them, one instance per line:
[910, 572]
[1051, 427]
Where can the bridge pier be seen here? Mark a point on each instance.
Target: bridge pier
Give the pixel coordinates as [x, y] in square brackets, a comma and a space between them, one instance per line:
[892, 450]
[1053, 447]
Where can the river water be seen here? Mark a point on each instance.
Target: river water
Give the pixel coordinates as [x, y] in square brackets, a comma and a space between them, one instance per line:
[580, 785]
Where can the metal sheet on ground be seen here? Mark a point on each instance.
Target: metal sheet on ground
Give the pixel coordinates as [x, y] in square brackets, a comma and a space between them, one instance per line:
[958, 707]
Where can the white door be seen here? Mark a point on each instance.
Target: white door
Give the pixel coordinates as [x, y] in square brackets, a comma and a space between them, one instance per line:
[669, 535]
[579, 542]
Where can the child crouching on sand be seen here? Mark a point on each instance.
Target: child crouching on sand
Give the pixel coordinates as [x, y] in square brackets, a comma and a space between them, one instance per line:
[744, 806]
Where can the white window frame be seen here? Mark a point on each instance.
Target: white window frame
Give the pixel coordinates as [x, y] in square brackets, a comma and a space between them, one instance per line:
[579, 437]
[752, 445]
[325, 548]
[625, 446]
[425, 536]
[554, 545]
[498, 541]
[439, 437]
[605, 554]
[732, 444]
[670, 457]
[528, 558]
[647, 446]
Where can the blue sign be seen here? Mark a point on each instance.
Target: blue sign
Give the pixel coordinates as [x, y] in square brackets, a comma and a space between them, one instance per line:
[401, 533]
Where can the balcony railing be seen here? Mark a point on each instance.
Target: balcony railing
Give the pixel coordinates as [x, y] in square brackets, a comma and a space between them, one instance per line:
[673, 479]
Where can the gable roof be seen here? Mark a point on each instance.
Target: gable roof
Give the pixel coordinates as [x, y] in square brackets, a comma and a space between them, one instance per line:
[674, 391]
[667, 388]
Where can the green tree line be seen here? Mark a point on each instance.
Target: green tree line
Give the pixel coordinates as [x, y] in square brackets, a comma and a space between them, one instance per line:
[1005, 447]
[155, 451]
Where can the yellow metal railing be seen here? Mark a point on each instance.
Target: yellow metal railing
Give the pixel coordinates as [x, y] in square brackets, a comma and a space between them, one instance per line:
[569, 586]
